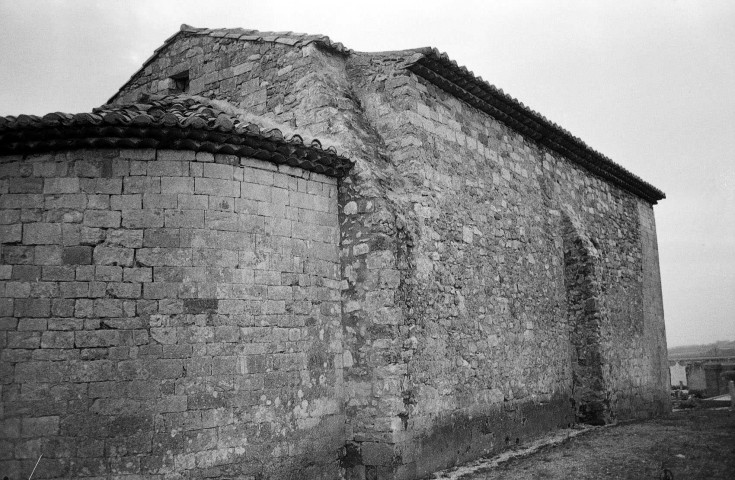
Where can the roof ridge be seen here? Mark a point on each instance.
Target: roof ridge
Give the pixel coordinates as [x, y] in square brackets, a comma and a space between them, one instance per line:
[288, 38]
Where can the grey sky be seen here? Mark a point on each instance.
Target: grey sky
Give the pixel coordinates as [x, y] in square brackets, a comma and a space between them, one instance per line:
[649, 84]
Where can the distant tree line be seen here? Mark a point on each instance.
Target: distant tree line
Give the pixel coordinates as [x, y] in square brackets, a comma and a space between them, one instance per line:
[717, 349]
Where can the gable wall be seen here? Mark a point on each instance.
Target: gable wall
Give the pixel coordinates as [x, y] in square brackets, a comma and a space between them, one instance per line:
[265, 79]
[216, 66]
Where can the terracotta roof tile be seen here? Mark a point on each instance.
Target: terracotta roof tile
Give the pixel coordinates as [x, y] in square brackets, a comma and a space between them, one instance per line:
[288, 38]
[171, 122]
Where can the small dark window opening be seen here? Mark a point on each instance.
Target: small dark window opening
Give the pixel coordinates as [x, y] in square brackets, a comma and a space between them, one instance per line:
[181, 82]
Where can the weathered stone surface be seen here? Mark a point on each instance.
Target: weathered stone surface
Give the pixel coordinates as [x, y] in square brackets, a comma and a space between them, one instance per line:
[77, 255]
[129, 330]
[198, 315]
[514, 278]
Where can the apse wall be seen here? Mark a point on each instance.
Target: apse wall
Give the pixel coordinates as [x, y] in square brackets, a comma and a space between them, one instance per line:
[168, 312]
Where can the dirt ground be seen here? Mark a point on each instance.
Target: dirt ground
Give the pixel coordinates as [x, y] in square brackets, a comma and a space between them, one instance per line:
[691, 444]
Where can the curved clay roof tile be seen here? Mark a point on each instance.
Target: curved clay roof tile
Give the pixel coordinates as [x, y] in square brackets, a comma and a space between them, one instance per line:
[223, 122]
[156, 112]
[278, 158]
[116, 118]
[169, 119]
[206, 146]
[274, 134]
[307, 164]
[86, 118]
[227, 149]
[188, 144]
[26, 120]
[194, 122]
[207, 111]
[54, 118]
[142, 120]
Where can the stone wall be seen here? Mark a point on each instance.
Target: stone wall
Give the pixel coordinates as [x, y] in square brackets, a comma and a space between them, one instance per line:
[168, 313]
[265, 79]
[462, 319]
[483, 357]
[316, 96]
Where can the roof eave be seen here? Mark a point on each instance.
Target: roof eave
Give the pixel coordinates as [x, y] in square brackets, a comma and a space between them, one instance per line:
[61, 138]
[167, 122]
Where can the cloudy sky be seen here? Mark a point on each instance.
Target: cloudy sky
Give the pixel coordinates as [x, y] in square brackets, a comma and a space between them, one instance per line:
[649, 83]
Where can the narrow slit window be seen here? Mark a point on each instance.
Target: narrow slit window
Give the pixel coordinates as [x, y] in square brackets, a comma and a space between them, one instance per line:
[181, 82]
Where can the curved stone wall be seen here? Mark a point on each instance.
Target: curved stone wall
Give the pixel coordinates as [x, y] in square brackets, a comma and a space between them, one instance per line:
[168, 312]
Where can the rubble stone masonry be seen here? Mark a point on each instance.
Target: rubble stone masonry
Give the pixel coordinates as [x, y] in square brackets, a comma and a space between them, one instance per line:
[491, 337]
[463, 289]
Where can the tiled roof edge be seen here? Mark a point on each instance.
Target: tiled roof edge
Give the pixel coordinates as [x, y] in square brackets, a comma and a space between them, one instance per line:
[440, 70]
[110, 129]
[285, 38]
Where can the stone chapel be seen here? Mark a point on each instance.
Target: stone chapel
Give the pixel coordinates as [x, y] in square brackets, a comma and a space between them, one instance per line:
[268, 256]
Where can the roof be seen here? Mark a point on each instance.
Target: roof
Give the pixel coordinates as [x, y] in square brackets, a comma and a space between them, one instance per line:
[177, 122]
[437, 68]
[440, 70]
[287, 38]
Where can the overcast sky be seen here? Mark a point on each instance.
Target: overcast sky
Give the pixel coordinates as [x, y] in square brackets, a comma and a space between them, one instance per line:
[651, 84]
